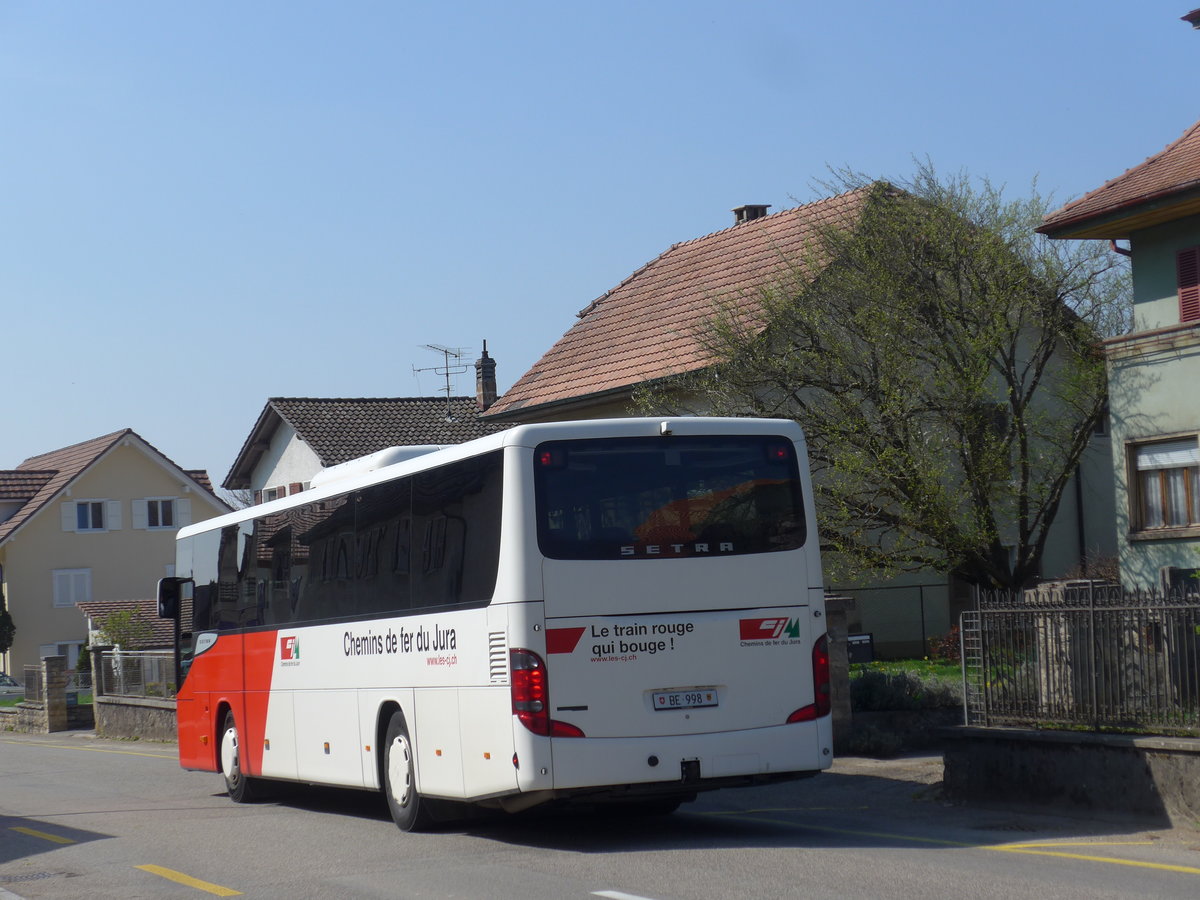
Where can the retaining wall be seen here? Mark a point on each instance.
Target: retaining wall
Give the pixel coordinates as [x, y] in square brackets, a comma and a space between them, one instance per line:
[1152, 778]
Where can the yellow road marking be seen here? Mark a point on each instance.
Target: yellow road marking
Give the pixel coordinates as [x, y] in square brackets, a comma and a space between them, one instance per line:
[189, 881]
[1027, 849]
[92, 749]
[58, 839]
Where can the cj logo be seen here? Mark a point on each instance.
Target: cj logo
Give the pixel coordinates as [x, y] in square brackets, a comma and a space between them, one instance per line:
[289, 648]
[768, 629]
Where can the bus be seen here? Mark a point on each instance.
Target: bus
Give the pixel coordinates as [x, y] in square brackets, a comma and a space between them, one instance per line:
[621, 611]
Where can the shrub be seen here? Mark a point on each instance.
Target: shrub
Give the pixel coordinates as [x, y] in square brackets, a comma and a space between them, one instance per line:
[948, 647]
[878, 691]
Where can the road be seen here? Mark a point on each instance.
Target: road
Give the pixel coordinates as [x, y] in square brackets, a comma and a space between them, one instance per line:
[82, 817]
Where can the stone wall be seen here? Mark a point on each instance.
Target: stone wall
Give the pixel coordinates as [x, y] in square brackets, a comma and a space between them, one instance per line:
[147, 718]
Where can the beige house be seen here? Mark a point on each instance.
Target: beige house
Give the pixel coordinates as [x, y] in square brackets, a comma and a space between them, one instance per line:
[92, 522]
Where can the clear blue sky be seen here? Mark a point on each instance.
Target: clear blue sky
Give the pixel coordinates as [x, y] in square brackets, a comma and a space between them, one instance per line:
[203, 205]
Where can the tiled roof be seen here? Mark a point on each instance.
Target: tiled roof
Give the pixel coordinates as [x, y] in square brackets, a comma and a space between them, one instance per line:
[644, 328]
[1170, 178]
[64, 465]
[338, 430]
[18, 485]
[53, 471]
[160, 632]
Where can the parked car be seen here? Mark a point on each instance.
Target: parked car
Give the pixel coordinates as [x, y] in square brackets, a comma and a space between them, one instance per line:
[9, 686]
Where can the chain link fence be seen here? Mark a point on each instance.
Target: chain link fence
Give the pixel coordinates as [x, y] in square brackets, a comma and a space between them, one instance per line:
[146, 673]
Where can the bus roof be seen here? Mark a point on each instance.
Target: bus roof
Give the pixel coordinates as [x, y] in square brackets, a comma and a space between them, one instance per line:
[529, 435]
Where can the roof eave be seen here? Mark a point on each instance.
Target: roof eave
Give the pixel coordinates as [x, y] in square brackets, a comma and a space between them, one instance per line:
[516, 414]
[252, 450]
[1122, 220]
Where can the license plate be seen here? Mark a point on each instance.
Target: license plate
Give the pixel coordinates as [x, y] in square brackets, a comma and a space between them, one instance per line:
[692, 699]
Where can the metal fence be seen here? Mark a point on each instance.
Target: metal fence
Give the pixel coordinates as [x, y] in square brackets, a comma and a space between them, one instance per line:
[1084, 654]
[35, 685]
[146, 673]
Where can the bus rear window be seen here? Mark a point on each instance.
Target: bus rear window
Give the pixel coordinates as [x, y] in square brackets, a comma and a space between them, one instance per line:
[667, 497]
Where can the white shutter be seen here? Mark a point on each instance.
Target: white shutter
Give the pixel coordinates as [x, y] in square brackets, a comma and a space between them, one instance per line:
[183, 512]
[140, 515]
[113, 514]
[1168, 455]
[68, 517]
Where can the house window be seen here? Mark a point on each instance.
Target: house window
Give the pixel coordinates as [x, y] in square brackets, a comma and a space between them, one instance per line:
[1187, 264]
[160, 513]
[89, 515]
[72, 586]
[69, 649]
[1168, 484]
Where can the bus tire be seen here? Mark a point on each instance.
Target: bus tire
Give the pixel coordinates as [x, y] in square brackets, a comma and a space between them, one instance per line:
[409, 810]
[240, 786]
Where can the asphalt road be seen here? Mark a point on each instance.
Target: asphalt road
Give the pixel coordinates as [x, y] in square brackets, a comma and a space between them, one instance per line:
[81, 817]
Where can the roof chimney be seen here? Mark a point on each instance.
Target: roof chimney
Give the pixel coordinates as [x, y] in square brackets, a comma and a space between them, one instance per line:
[485, 380]
[749, 212]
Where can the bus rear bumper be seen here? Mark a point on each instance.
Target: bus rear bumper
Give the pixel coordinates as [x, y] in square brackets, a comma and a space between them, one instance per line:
[694, 759]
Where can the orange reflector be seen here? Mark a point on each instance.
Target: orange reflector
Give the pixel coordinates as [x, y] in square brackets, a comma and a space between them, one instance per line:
[487, 756]
[437, 752]
[368, 748]
[327, 748]
[267, 744]
[204, 739]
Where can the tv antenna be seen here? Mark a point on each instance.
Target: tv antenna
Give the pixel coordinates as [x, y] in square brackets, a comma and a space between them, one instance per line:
[452, 364]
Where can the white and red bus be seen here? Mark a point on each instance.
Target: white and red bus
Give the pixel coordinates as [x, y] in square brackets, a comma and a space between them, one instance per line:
[624, 610]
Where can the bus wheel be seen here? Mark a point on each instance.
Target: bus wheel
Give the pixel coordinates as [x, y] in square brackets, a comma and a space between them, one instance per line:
[409, 810]
[240, 787]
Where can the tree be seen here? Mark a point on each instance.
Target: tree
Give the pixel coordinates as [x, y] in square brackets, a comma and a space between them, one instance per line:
[8, 629]
[124, 629]
[943, 364]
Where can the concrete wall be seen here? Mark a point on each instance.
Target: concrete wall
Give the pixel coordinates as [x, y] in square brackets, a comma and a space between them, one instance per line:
[1155, 282]
[286, 461]
[1156, 779]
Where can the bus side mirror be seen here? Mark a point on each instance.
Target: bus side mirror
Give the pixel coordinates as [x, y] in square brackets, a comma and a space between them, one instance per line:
[170, 596]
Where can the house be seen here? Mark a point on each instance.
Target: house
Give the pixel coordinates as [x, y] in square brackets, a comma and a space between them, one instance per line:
[95, 521]
[297, 437]
[645, 330]
[1154, 370]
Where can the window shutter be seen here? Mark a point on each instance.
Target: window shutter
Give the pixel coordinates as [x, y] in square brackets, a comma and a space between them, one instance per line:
[68, 517]
[1187, 264]
[112, 515]
[140, 515]
[295, 487]
[258, 498]
[183, 512]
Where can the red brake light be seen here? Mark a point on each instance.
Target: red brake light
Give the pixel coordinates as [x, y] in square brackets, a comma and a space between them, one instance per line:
[531, 696]
[822, 697]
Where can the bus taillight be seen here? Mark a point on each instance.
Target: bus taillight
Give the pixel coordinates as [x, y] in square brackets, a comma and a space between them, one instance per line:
[822, 698]
[531, 696]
